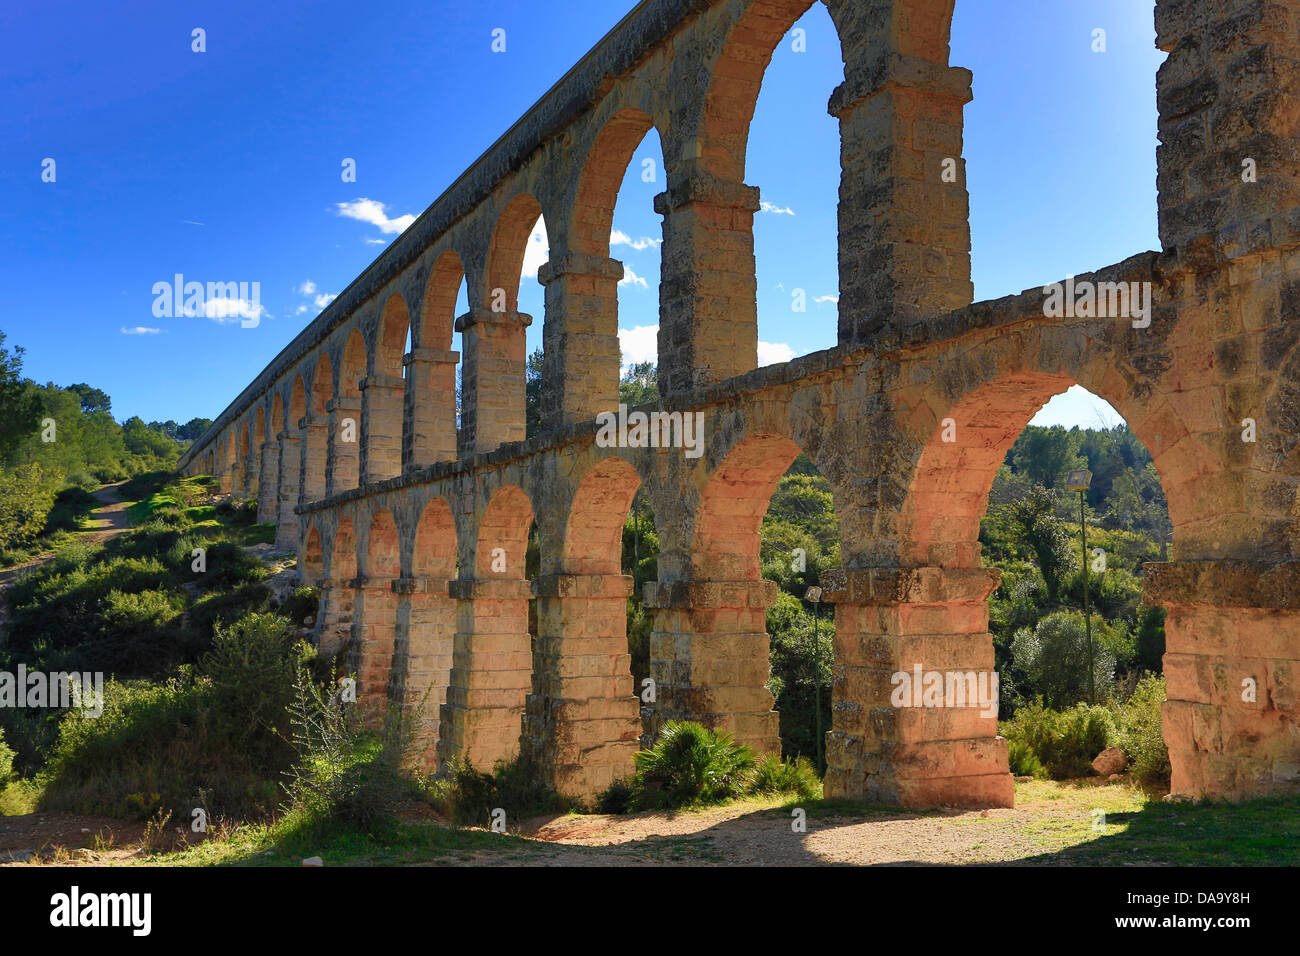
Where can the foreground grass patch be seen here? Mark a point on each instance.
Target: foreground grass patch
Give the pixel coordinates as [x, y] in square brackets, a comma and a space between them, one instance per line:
[398, 844]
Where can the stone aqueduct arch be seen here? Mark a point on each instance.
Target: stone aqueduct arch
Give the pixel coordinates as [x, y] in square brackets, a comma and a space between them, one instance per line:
[402, 527]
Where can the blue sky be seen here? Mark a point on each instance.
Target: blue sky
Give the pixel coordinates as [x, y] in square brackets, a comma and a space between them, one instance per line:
[225, 166]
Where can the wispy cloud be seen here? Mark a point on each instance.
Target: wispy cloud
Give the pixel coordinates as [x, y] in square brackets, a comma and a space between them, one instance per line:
[375, 242]
[823, 299]
[319, 299]
[372, 211]
[631, 278]
[620, 238]
[776, 210]
[191, 222]
[142, 330]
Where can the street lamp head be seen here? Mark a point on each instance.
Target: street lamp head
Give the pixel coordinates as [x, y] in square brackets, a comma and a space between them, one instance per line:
[1078, 480]
[813, 594]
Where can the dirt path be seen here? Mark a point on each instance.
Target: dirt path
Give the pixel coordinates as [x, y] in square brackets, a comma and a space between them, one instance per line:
[105, 522]
[1048, 818]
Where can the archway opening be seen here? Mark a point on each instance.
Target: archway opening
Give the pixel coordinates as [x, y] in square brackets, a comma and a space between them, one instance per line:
[799, 543]
[1065, 502]
[793, 156]
[1096, 59]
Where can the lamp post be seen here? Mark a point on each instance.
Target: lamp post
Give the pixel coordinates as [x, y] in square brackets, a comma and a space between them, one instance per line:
[1079, 481]
[814, 594]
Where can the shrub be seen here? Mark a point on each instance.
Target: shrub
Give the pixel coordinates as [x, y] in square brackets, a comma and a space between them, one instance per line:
[691, 765]
[1054, 658]
[1064, 742]
[618, 798]
[1140, 733]
[1021, 759]
[26, 497]
[220, 607]
[343, 777]
[301, 604]
[252, 664]
[797, 778]
[229, 566]
[514, 786]
[70, 506]
[6, 763]
[222, 730]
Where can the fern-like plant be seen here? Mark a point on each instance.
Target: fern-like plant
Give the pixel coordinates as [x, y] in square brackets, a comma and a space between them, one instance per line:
[690, 765]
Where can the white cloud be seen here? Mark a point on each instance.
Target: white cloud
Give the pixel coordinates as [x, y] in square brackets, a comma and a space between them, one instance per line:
[141, 330]
[323, 300]
[640, 344]
[773, 353]
[223, 310]
[371, 211]
[307, 288]
[300, 310]
[375, 242]
[620, 238]
[778, 210]
[538, 250]
[631, 278]
[823, 299]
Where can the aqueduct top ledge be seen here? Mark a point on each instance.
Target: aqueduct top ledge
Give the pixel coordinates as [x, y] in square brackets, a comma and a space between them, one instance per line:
[635, 37]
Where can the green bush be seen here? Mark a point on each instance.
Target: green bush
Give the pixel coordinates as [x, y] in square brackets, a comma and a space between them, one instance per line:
[1141, 736]
[618, 798]
[796, 778]
[70, 506]
[218, 607]
[513, 786]
[691, 765]
[222, 732]
[26, 497]
[343, 777]
[1022, 761]
[1064, 742]
[229, 566]
[301, 604]
[6, 763]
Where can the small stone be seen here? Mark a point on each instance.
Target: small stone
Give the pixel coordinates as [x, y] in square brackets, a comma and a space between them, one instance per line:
[1113, 777]
[313, 861]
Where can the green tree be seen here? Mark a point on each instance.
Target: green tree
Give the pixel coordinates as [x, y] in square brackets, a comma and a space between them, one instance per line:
[639, 385]
[19, 408]
[1046, 534]
[1045, 455]
[92, 399]
[533, 394]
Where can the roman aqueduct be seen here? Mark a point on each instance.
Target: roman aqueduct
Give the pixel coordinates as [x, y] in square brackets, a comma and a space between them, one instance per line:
[415, 531]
